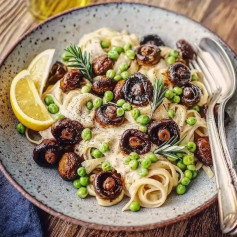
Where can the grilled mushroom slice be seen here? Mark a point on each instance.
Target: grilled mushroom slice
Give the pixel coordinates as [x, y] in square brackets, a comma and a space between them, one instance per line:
[101, 65]
[108, 185]
[57, 71]
[203, 151]
[152, 39]
[47, 153]
[68, 165]
[67, 131]
[71, 80]
[133, 140]
[107, 115]
[102, 85]
[163, 130]
[148, 55]
[118, 90]
[191, 95]
[179, 74]
[138, 90]
[186, 49]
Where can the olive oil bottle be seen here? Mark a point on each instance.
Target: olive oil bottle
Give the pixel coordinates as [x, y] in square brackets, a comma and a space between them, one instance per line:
[43, 9]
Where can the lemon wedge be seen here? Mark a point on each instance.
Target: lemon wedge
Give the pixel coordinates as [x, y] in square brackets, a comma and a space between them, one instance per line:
[26, 103]
[39, 68]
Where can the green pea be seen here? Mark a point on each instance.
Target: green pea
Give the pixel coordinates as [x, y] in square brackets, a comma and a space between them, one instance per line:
[20, 128]
[106, 166]
[191, 146]
[76, 183]
[96, 153]
[180, 189]
[86, 134]
[97, 103]
[188, 160]
[135, 113]
[117, 78]
[170, 60]
[59, 116]
[118, 49]
[104, 147]
[110, 73]
[120, 102]
[130, 54]
[169, 94]
[191, 167]
[143, 119]
[196, 107]
[133, 164]
[142, 128]
[53, 108]
[125, 74]
[152, 157]
[104, 44]
[194, 174]
[89, 105]
[176, 99]
[171, 159]
[194, 77]
[178, 90]
[180, 155]
[174, 53]
[84, 180]
[127, 46]
[185, 181]
[108, 96]
[181, 165]
[188, 174]
[123, 67]
[127, 160]
[113, 54]
[191, 121]
[120, 112]
[48, 100]
[171, 113]
[65, 56]
[134, 206]
[81, 171]
[146, 163]
[143, 172]
[82, 192]
[86, 89]
[127, 106]
[134, 156]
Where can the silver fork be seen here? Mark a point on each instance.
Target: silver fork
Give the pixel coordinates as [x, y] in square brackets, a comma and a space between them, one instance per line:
[227, 198]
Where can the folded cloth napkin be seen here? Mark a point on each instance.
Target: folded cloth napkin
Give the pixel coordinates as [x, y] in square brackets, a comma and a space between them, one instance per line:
[18, 217]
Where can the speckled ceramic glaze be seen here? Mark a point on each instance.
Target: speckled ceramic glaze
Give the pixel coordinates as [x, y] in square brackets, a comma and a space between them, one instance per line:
[43, 186]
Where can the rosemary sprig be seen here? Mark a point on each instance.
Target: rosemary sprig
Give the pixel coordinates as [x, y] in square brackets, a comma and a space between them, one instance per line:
[171, 148]
[80, 61]
[158, 95]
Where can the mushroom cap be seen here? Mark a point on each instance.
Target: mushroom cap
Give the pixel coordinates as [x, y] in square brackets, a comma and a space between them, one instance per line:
[191, 95]
[203, 151]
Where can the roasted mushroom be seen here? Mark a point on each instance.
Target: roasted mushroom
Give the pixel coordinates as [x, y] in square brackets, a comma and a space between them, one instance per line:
[186, 49]
[148, 55]
[102, 85]
[47, 153]
[118, 90]
[133, 140]
[138, 90]
[152, 39]
[101, 65]
[71, 80]
[163, 130]
[57, 71]
[203, 151]
[68, 165]
[191, 95]
[179, 74]
[108, 185]
[67, 131]
[107, 115]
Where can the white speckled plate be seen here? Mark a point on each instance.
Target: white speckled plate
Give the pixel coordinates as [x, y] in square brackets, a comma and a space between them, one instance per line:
[43, 186]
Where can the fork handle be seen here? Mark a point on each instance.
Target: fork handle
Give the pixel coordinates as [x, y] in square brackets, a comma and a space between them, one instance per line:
[227, 198]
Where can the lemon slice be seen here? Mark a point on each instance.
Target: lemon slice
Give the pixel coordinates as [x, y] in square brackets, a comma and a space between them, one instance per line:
[39, 68]
[26, 103]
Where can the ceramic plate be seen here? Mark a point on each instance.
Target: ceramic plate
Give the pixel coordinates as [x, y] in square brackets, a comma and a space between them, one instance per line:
[43, 186]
